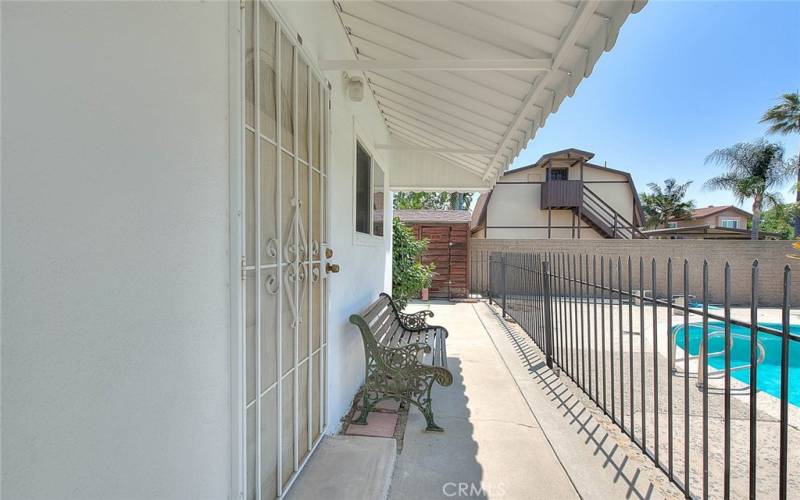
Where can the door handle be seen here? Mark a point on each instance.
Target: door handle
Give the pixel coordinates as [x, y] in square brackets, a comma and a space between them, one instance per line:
[331, 268]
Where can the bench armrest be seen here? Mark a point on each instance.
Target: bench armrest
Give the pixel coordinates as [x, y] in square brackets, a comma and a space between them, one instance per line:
[415, 321]
[403, 357]
[412, 322]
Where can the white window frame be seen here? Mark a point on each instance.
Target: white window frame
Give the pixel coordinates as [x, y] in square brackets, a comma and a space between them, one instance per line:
[672, 225]
[735, 222]
[376, 161]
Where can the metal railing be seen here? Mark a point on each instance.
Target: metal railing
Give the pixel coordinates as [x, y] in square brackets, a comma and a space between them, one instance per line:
[609, 220]
[593, 319]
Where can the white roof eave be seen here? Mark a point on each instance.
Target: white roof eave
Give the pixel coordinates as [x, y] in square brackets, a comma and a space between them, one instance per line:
[475, 98]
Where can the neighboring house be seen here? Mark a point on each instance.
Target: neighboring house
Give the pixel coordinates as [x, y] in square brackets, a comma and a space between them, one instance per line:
[710, 223]
[725, 216]
[560, 196]
[447, 232]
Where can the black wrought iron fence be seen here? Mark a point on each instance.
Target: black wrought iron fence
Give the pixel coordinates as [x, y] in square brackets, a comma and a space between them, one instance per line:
[707, 391]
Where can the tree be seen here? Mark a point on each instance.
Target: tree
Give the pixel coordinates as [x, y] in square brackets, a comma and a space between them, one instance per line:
[754, 169]
[460, 201]
[784, 119]
[663, 205]
[778, 219]
[432, 200]
[409, 275]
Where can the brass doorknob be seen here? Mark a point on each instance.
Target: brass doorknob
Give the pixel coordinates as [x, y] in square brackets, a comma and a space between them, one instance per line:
[332, 268]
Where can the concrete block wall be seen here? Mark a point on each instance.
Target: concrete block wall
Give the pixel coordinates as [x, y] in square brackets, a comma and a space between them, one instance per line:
[771, 255]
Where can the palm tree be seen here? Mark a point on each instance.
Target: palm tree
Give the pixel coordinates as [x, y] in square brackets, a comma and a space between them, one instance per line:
[754, 169]
[784, 119]
[663, 205]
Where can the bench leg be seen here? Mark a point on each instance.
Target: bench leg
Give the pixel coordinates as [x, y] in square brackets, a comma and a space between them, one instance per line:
[422, 400]
[367, 404]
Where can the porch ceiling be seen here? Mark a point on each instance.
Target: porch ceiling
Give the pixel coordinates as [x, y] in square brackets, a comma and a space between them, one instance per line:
[472, 82]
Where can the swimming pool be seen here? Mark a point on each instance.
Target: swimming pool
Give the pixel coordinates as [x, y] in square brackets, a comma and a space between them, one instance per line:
[699, 305]
[769, 371]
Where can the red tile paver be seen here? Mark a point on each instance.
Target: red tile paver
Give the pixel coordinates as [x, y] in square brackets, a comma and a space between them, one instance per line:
[379, 424]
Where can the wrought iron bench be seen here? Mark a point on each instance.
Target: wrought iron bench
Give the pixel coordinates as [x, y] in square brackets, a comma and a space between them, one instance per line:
[404, 357]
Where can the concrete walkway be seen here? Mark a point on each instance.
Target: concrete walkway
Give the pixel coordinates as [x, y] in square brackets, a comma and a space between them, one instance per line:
[513, 430]
[347, 468]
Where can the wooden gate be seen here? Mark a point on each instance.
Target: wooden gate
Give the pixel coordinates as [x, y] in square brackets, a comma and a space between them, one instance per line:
[447, 251]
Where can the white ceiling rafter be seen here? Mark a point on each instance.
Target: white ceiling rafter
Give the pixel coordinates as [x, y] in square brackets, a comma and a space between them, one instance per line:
[472, 82]
[437, 65]
[444, 130]
[488, 127]
[479, 109]
[460, 127]
[416, 49]
[452, 30]
[412, 138]
[455, 112]
[455, 96]
[450, 80]
[489, 19]
[464, 49]
[582, 15]
[398, 147]
[439, 133]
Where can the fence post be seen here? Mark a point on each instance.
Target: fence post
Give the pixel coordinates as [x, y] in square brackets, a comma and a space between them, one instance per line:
[503, 280]
[489, 278]
[615, 224]
[548, 326]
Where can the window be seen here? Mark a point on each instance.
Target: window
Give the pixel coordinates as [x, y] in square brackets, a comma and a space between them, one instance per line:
[672, 225]
[377, 201]
[363, 164]
[730, 223]
[369, 194]
[559, 174]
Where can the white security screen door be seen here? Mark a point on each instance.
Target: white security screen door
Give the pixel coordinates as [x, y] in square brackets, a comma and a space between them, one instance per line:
[284, 283]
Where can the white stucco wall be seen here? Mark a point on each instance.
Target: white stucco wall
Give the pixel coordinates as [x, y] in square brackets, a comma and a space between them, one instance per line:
[114, 250]
[514, 206]
[365, 265]
[116, 353]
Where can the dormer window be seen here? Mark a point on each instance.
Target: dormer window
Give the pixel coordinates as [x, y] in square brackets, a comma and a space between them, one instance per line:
[559, 174]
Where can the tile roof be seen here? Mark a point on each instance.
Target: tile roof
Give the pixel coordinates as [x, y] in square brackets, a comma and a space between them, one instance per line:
[699, 213]
[440, 216]
[711, 230]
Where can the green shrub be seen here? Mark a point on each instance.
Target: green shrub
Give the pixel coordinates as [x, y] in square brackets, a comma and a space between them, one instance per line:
[409, 276]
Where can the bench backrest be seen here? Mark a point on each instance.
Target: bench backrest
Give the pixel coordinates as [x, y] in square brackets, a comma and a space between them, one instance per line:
[378, 322]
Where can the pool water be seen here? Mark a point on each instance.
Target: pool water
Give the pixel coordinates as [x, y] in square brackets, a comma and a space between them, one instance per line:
[769, 371]
[699, 305]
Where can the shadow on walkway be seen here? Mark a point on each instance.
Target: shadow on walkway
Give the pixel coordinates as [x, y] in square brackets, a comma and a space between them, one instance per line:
[435, 465]
[596, 436]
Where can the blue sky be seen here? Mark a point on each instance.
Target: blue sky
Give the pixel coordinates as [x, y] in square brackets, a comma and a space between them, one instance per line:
[684, 79]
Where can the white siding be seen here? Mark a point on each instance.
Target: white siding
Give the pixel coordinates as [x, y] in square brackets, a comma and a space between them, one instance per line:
[514, 209]
[115, 267]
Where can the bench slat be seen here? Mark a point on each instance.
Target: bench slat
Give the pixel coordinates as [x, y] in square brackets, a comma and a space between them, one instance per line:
[388, 331]
[381, 323]
[393, 325]
[375, 308]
